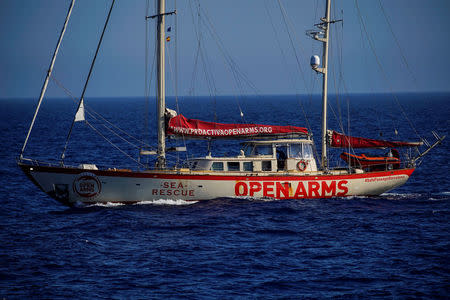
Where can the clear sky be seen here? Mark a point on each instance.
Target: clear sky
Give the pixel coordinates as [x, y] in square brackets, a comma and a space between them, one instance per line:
[262, 51]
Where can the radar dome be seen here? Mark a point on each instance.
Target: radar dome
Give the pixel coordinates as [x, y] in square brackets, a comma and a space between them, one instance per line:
[315, 61]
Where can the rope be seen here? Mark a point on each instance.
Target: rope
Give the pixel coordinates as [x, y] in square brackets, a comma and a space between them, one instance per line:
[285, 18]
[297, 95]
[114, 145]
[237, 74]
[205, 22]
[93, 114]
[96, 116]
[87, 80]
[176, 77]
[147, 83]
[176, 98]
[382, 70]
[398, 45]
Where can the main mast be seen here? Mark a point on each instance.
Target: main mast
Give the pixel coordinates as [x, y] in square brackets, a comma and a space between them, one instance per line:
[322, 35]
[161, 92]
[326, 27]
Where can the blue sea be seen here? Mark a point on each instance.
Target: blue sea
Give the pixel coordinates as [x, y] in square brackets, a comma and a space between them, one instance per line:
[396, 245]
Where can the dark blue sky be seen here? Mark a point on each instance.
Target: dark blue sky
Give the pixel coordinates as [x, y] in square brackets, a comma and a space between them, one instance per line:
[29, 31]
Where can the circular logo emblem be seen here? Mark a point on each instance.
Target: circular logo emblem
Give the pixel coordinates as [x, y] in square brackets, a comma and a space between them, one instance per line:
[87, 185]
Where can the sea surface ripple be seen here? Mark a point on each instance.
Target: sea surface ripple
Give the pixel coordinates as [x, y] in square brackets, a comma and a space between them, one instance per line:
[392, 246]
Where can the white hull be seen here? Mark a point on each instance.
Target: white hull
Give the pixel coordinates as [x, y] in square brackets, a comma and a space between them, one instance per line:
[71, 185]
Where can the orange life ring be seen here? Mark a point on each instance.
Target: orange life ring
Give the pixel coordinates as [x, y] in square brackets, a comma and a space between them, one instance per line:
[301, 165]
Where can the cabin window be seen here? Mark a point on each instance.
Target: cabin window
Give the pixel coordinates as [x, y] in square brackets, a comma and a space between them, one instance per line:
[296, 151]
[301, 151]
[251, 150]
[263, 150]
[266, 165]
[233, 166]
[248, 150]
[248, 166]
[217, 166]
[307, 151]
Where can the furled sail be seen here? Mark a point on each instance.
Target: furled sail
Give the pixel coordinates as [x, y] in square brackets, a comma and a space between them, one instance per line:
[180, 125]
[79, 116]
[339, 140]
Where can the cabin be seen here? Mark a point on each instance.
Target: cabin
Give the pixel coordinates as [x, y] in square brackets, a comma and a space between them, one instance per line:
[284, 155]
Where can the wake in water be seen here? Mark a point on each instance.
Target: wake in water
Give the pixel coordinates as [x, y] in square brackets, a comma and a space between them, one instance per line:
[440, 196]
[401, 196]
[166, 202]
[150, 202]
[413, 196]
[389, 196]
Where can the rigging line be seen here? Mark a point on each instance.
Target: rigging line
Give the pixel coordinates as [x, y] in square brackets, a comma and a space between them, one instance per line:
[314, 47]
[176, 103]
[87, 80]
[205, 63]
[348, 108]
[114, 145]
[337, 64]
[239, 77]
[209, 79]
[193, 74]
[342, 82]
[176, 55]
[316, 153]
[380, 128]
[176, 75]
[314, 79]
[231, 64]
[283, 13]
[49, 73]
[382, 71]
[286, 64]
[96, 116]
[194, 71]
[348, 123]
[291, 26]
[146, 85]
[405, 61]
[333, 65]
[238, 73]
[301, 72]
[195, 66]
[119, 136]
[339, 49]
[310, 90]
[336, 116]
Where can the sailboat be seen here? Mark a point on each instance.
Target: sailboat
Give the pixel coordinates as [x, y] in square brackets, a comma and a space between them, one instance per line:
[274, 161]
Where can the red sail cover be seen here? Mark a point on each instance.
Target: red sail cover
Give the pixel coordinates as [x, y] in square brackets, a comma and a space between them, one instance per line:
[180, 125]
[339, 140]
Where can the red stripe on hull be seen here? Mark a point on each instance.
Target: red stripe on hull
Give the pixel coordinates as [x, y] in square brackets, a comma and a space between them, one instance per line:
[269, 177]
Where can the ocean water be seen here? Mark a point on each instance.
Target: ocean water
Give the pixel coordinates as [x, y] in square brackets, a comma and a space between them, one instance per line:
[392, 246]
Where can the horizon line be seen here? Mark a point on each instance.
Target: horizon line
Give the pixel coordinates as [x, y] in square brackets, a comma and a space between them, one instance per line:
[233, 95]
